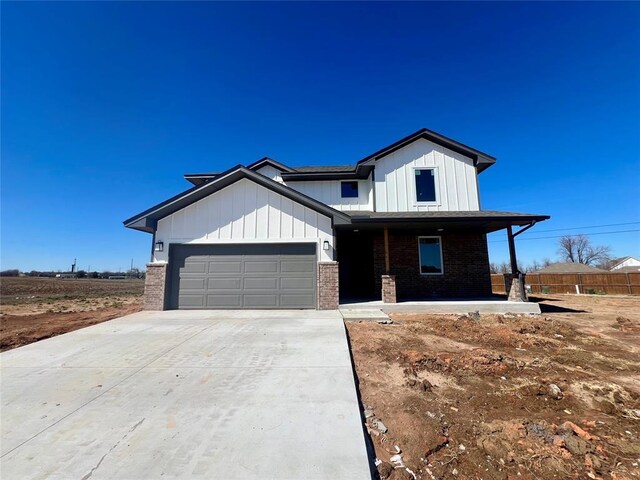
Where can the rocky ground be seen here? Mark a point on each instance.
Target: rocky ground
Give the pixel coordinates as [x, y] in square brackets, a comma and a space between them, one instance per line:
[505, 396]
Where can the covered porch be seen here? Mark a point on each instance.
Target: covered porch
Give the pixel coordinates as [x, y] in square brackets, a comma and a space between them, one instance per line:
[426, 259]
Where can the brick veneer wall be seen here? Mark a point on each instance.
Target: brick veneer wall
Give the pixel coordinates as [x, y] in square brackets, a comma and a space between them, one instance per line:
[155, 286]
[328, 285]
[465, 258]
[389, 289]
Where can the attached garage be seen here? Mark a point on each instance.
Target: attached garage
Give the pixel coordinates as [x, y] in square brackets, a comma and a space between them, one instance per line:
[242, 276]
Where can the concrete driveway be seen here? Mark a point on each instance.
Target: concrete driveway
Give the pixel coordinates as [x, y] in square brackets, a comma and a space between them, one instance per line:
[206, 394]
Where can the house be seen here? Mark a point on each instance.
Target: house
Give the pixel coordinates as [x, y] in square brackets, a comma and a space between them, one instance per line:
[622, 263]
[402, 223]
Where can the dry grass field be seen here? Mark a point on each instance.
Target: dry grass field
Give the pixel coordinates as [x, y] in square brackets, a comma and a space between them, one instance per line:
[505, 396]
[35, 308]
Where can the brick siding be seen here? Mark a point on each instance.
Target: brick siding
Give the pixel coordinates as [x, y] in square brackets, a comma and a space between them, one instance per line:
[327, 285]
[155, 286]
[465, 258]
[389, 289]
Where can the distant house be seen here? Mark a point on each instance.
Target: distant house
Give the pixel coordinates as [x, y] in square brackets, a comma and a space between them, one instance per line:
[624, 262]
[570, 267]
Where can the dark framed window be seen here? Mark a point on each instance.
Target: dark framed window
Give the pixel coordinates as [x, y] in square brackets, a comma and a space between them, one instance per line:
[349, 189]
[430, 253]
[425, 184]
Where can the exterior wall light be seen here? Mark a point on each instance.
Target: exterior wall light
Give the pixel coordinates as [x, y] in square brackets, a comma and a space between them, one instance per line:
[159, 247]
[325, 245]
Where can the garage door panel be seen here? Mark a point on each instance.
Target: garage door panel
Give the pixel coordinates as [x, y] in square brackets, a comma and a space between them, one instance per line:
[194, 267]
[243, 276]
[260, 300]
[193, 283]
[225, 266]
[224, 283]
[296, 301]
[261, 266]
[223, 301]
[261, 283]
[297, 283]
[304, 266]
[192, 301]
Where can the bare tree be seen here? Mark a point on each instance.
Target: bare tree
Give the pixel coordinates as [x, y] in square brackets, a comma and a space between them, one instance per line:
[503, 267]
[578, 249]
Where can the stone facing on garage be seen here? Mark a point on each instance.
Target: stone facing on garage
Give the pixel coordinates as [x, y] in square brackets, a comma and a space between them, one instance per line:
[328, 294]
[155, 286]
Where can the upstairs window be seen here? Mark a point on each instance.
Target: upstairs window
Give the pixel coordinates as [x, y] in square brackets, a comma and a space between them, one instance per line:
[430, 250]
[425, 184]
[349, 189]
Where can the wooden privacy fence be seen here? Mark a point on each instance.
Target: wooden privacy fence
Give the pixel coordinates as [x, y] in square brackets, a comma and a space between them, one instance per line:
[606, 283]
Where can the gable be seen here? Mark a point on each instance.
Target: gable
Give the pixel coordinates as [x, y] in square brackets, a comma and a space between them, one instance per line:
[243, 211]
[455, 179]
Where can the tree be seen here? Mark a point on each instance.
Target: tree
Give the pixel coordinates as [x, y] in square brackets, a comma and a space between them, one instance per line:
[578, 249]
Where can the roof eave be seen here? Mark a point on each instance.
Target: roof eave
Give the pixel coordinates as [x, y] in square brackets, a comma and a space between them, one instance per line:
[147, 220]
[480, 159]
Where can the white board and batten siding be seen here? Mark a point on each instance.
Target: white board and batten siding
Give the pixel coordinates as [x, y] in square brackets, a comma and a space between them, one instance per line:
[270, 172]
[245, 212]
[329, 192]
[395, 190]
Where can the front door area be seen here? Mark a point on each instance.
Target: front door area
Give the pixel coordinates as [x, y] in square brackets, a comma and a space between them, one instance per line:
[355, 257]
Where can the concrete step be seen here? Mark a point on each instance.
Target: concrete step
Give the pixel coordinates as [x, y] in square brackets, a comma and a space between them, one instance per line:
[360, 314]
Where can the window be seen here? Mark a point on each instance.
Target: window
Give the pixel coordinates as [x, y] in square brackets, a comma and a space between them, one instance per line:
[349, 189]
[430, 250]
[425, 184]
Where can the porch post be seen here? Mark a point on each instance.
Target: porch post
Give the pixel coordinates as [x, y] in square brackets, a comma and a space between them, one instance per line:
[516, 290]
[388, 281]
[386, 250]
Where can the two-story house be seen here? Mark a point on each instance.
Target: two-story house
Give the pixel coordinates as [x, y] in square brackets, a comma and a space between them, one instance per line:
[403, 223]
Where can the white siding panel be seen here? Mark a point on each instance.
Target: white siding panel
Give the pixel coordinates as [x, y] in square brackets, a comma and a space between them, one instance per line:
[329, 192]
[271, 172]
[244, 212]
[395, 183]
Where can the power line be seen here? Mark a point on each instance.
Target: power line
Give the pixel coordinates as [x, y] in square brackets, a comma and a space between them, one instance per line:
[560, 236]
[588, 226]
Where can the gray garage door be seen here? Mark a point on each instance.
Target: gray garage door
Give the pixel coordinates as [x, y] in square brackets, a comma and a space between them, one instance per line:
[243, 276]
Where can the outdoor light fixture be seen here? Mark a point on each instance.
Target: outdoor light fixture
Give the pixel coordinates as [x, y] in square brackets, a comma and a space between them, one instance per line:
[159, 247]
[325, 245]
[440, 229]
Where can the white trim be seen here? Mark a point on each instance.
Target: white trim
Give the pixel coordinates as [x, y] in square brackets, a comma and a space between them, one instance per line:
[436, 186]
[441, 256]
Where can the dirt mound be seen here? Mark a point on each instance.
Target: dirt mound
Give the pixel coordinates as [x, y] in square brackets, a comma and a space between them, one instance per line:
[501, 396]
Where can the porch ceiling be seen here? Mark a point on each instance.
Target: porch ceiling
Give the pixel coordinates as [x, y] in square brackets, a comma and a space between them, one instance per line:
[483, 220]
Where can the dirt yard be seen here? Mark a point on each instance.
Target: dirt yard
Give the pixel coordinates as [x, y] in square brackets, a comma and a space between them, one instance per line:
[505, 397]
[32, 309]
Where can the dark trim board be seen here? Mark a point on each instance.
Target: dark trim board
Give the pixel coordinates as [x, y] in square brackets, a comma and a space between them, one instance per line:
[147, 220]
[242, 276]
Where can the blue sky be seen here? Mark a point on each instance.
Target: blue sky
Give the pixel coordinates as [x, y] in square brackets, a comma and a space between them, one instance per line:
[105, 105]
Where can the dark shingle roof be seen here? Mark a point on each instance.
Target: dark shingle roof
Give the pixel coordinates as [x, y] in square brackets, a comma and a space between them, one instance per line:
[325, 168]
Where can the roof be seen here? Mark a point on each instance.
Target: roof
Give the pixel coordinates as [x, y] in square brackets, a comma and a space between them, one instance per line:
[480, 220]
[360, 170]
[632, 269]
[480, 160]
[146, 221]
[570, 267]
[617, 261]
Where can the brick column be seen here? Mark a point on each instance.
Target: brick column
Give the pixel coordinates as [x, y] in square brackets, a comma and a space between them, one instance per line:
[328, 293]
[389, 289]
[155, 286]
[514, 285]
